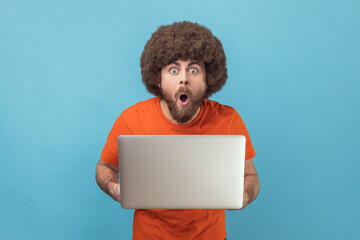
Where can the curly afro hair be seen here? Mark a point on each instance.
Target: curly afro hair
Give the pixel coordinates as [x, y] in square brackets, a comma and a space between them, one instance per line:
[184, 41]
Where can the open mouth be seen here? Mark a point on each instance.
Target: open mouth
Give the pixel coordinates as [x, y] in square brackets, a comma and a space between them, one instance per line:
[183, 99]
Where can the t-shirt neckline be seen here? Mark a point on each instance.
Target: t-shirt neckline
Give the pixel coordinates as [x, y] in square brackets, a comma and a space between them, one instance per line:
[179, 126]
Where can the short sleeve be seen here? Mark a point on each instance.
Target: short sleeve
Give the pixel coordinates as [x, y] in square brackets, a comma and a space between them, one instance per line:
[237, 127]
[109, 153]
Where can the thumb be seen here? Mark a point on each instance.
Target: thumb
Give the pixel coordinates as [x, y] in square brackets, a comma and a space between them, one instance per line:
[117, 192]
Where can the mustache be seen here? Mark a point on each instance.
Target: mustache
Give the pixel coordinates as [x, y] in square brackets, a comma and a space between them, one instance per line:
[183, 89]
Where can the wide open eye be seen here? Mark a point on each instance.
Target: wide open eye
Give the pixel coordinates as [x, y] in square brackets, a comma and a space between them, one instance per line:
[173, 71]
[193, 70]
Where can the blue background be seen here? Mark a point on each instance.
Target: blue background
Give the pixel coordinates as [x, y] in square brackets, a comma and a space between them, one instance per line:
[69, 68]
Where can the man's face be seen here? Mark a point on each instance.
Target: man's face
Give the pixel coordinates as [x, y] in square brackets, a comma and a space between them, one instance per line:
[183, 85]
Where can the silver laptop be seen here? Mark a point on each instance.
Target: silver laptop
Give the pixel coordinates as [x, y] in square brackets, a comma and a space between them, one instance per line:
[181, 171]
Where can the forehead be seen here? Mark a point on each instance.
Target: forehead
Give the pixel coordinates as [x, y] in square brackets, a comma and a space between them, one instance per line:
[188, 62]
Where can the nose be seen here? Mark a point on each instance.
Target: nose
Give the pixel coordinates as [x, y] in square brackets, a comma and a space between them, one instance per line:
[184, 82]
[184, 79]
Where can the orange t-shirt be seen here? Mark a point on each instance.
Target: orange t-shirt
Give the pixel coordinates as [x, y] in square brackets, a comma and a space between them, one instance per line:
[147, 118]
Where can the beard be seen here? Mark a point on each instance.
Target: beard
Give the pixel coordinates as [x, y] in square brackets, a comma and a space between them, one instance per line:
[183, 114]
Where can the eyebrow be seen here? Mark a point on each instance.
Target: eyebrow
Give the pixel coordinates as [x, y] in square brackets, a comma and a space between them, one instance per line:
[190, 64]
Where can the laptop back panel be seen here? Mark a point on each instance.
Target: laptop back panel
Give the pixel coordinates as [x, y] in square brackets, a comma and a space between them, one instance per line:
[181, 171]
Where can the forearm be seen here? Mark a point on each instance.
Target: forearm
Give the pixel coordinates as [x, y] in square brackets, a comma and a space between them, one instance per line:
[251, 188]
[106, 176]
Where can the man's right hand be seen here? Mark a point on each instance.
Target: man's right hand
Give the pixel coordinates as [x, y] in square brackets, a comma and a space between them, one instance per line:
[114, 190]
[107, 179]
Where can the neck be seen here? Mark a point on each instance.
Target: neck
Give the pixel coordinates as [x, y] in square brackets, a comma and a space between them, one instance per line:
[165, 110]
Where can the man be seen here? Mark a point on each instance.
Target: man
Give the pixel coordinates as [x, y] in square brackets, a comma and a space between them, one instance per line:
[182, 65]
